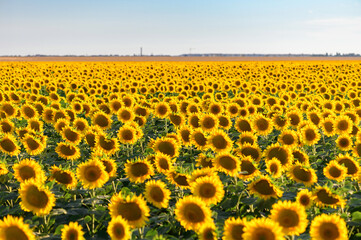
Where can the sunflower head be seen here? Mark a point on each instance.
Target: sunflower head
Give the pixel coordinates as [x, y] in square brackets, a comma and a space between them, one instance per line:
[304, 198]
[67, 151]
[335, 171]
[8, 145]
[28, 169]
[302, 174]
[264, 188]
[262, 228]
[156, 193]
[92, 174]
[323, 197]
[72, 231]
[138, 170]
[220, 142]
[326, 227]
[62, 176]
[118, 228]
[15, 228]
[227, 163]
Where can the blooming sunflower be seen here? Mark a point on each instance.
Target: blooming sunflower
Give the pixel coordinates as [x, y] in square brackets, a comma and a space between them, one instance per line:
[209, 189]
[243, 125]
[310, 134]
[349, 162]
[323, 197]
[6, 126]
[288, 138]
[138, 170]
[220, 142]
[102, 120]
[71, 135]
[249, 150]
[133, 209]
[291, 216]
[184, 134]
[106, 145]
[227, 163]
[294, 117]
[63, 176]
[67, 151]
[179, 179]
[207, 232]
[274, 167]
[282, 153]
[199, 139]
[335, 171]
[72, 231]
[280, 121]
[110, 166]
[262, 125]
[302, 174]
[234, 228]
[8, 145]
[249, 168]
[33, 145]
[177, 119]
[343, 125]
[192, 213]
[262, 228]
[156, 193]
[60, 124]
[204, 161]
[125, 115]
[264, 188]
[304, 198]
[300, 156]
[208, 122]
[247, 137]
[344, 142]
[28, 169]
[92, 174]
[118, 229]
[12, 228]
[127, 134]
[203, 172]
[28, 111]
[327, 126]
[34, 198]
[166, 146]
[163, 163]
[3, 169]
[325, 227]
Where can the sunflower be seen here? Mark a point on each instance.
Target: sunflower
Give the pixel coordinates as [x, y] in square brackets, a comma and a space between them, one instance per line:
[304, 198]
[184, 135]
[133, 209]
[227, 163]
[62, 176]
[204, 161]
[291, 216]
[72, 231]
[125, 115]
[162, 110]
[234, 228]
[92, 174]
[36, 125]
[177, 119]
[328, 226]
[162, 162]
[209, 189]
[262, 125]
[220, 142]
[215, 108]
[343, 125]
[202, 172]
[274, 167]
[294, 117]
[323, 197]
[233, 109]
[8, 145]
[352, 166]
[102, 120]
[310, 134]
[166, 146]
[248, 168]
[344, 142]
[127, 134]
[327, 126]
[262, 228]
[300, 156]
[3, 169]
[110, 166]
[249, 150]
[199, 139]
[302, 174]
[28, 169]
[60, 124]
[28, 111]
[264, 188]
[108, 146]
[335, 171]
[192, 213]
[138, 170]
[179, 179]
[208, 122]
[118, 229]
[243, 125]
[6, 126]
[14, 228]
[280, 121]
[67, 151]
[283, 154]
[156, 193]
[9, 109]
[288, 138]
[33, 146]
[207, 232]
[36, 198]
[247, 137]
[81, 125]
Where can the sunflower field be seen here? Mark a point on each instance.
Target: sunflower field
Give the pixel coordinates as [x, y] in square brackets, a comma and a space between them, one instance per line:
[180, 150]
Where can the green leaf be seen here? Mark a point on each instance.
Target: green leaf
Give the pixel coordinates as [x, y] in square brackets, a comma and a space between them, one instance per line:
[87, 219]
[151, 233]
[356, 216]
[58, 229]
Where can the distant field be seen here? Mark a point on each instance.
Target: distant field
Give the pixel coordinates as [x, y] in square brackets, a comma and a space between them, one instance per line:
[141, 59]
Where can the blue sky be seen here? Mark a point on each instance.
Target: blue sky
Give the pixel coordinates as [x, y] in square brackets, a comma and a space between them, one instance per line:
[179, 26]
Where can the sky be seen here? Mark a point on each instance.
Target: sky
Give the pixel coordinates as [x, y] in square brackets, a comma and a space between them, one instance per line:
[173, 27]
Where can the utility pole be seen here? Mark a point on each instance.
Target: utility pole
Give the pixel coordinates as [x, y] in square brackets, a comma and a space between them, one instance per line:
[141, 51]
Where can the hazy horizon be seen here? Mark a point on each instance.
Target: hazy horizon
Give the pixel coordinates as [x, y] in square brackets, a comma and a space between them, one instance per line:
[179, 27]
